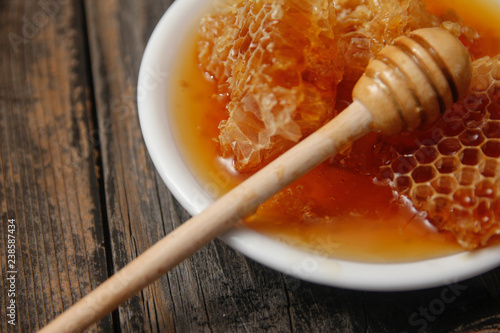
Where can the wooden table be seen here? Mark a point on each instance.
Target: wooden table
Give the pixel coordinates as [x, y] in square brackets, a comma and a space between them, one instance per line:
[83, 199]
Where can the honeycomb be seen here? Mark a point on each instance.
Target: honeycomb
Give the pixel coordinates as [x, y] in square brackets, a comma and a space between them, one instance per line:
[276, 65]
[367, 26]
[451, 170]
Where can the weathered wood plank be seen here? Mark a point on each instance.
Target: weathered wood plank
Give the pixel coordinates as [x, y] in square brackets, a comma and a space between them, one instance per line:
[117, 40]
[48, 178]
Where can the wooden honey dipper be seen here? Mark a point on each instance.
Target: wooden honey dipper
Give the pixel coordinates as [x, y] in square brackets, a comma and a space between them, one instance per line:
[408, 84]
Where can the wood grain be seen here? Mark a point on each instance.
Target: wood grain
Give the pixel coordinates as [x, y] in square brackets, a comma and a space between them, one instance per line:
[49, 183]
[117, 41]
[56, 143]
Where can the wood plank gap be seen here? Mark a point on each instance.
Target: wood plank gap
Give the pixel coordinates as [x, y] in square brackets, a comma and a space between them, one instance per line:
[289, 302]
[165, 232]
[96, 143]
[204, 299]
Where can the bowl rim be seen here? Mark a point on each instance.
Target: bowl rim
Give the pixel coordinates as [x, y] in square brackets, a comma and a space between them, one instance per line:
[158, 62]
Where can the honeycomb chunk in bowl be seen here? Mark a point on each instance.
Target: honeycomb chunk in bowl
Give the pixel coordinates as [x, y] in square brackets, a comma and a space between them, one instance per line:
[276, 64]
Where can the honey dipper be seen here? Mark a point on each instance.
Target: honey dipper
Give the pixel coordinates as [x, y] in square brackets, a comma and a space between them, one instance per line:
[408, 84]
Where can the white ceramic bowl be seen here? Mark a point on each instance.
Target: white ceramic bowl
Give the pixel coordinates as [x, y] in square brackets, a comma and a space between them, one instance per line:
[160, 58]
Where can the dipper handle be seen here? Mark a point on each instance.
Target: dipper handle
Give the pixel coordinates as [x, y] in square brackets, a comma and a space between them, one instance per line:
[408, 84]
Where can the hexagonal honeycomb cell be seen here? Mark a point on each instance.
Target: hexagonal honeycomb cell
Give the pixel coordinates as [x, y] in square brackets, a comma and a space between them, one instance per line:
[445, 184]
[455, 179]
[492, 130]
[447, 164]
[426, 155]
[471, 137]
[449, 146]
[490, 168]
[422, 193]
[491, 148]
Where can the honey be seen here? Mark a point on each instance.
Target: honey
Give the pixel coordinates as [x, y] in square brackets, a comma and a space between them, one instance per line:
[342, 208]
